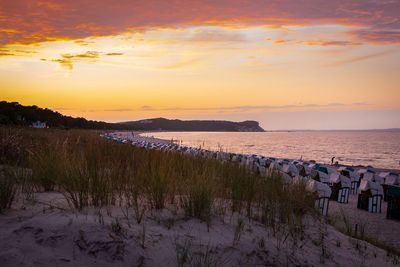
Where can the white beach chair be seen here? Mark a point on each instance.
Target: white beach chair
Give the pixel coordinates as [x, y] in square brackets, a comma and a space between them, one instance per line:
[370, 197]
[378, 179]
[341, 187]
[290, 169]
[286, 169]
[331, 170]
[301, 179]
[293, 170]
[368, 176]
[354, 179]
[324, 193]
[286, 177]
[384, 174]
[392, 179]
[324, 178]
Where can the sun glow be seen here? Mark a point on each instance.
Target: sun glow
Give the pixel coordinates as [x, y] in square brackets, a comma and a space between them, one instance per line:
[216, 66]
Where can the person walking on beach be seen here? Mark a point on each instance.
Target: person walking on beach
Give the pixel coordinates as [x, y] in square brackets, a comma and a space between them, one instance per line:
[332, 159]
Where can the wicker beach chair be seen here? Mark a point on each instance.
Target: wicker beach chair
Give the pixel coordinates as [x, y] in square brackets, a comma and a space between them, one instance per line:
[340, 187]
[370, 196]
[391, 179]
[322, 194]
[393, 207]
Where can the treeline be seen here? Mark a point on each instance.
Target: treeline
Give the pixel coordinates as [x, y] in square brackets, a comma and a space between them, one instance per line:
[13, 113]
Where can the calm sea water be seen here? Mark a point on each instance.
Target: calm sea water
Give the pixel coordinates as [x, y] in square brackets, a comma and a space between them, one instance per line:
[378, 149]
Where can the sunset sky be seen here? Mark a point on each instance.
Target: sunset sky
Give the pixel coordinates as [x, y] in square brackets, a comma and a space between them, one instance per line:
[290, 64]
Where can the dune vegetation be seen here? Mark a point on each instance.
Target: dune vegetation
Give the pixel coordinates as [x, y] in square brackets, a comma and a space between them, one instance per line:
[92, 172]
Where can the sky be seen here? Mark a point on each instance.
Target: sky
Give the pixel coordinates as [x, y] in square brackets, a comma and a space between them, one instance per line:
[289, 64]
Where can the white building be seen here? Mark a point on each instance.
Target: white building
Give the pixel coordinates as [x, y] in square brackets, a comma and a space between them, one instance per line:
[39, 124]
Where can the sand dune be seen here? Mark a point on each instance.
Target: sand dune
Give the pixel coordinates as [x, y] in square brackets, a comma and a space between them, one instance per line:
[49, 233]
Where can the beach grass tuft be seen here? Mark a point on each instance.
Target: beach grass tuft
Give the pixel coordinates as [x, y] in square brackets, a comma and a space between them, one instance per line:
[8, 187]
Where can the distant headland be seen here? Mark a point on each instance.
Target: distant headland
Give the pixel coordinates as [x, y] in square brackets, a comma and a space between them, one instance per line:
[13, 113]
[161, 124]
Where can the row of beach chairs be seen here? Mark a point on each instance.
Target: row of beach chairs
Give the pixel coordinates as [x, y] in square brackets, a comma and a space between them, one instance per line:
[328, 183]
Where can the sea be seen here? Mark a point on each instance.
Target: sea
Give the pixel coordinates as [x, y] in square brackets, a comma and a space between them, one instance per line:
[379, 149]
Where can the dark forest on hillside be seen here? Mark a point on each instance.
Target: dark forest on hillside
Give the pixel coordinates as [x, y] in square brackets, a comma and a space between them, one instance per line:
[15, 114]
[12, 113]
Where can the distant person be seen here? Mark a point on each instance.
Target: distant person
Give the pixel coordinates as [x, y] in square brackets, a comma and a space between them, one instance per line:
[332, 159]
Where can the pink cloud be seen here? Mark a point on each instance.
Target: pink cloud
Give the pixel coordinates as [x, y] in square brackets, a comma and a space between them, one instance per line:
[315, 42]
[378, 36]
[30, 21]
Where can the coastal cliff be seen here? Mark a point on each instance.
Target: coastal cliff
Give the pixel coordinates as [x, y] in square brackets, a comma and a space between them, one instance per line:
[162, 124]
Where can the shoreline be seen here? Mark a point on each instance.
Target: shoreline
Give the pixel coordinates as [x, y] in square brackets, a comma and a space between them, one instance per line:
[115, 221]
[137, 137]
[376, 224]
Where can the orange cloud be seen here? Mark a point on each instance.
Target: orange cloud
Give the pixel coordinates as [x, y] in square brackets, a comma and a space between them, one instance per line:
[27, 21]
[378, 36]
[87, 54]
[114, 54]
[327, 43]
[83, 43]
[6, 54]
[66, 61]
[281, 41]
[18, 52]
[315, 42]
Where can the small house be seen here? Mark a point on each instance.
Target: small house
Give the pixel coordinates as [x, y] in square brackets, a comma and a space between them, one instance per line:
[39, 124]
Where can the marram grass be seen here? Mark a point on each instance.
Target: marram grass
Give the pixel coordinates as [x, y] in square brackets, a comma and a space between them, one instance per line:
[93, 172]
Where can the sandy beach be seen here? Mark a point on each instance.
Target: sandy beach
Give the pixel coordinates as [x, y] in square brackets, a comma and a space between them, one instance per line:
[44, 229]
[199, 133]
[375, 225]
[49, 233]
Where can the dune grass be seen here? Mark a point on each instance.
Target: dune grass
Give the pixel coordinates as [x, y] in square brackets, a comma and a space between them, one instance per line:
[93, 172]
[8, 188]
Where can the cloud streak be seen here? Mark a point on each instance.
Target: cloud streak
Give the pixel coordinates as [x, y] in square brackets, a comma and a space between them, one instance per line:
[358, 58]
[249, 108]
[66, 61]
[118, 110]
[13, 53]
[377, 36]
[28, 22]
[314, 42]
[235, 109]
